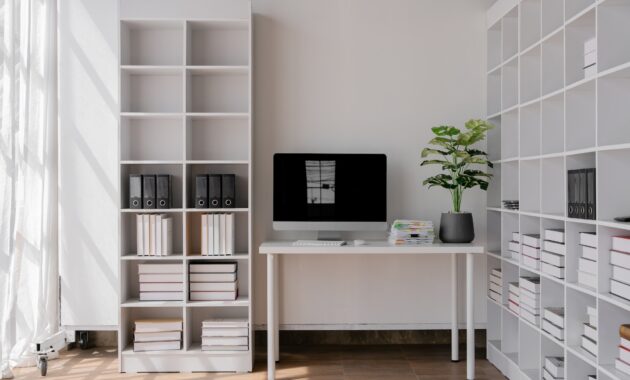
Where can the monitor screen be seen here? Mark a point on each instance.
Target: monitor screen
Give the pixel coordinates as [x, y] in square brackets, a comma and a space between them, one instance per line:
[329, 187]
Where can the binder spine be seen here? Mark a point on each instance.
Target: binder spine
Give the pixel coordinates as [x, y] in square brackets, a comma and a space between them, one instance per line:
[228, 188]
[201, 191]
[591, 194]
[164, 199]
[135, 191]
[148, 190]
[214, 191]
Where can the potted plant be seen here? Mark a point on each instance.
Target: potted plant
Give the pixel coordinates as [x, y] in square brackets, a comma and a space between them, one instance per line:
[461, 170]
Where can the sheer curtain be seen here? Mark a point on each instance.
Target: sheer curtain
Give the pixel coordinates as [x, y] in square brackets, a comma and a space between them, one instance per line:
[28, 178]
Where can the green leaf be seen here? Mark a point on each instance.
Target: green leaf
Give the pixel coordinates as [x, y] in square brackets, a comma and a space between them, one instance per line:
[442, 141]
[427, 151]
[440, 131]
[434, 162]
[452, 131]
[476, 152]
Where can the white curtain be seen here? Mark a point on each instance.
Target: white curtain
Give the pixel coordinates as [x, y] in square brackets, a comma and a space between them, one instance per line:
[28, 178]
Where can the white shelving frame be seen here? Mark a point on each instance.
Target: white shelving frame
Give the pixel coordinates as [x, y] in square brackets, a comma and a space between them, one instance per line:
[186, 109]
[560, 121]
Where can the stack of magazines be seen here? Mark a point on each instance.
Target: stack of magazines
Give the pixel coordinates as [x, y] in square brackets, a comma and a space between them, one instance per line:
[412, 232]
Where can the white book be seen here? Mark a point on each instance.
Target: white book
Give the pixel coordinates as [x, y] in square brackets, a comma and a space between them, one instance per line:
[225, 322]
[152, 242]
[532, 240]
[552, 270]
[167, 236]
[620, 259]
[204, 235]
[552, 258]
[513, 288]
[553, 330]
[620, 274]
[497, 273]
[213, 286]
[230, 237]
[222, 228]
[161, 286]
[216, 235]
[225, 331]
[496, 288]
[210, 235]
[554, 315]
[590, 332]
[514, 307]
[212, 277]
[526, 293]
[531, 263]
[494, 279]
[139, 236]
[531, 252]
[513, 297]
[158, 325]
[624, 343]
[514, 246]
[157, 232]
[146, 233]
[553, 247]
[620, 289]
[530, 302]
[159, 268]
[589, 345]
[161, 296]
[591, 311]
[590, 59]
[515, 255]
[224, 348]
[555, 366]
[621, 243]
[157, 346]
[530, 283]
[592, 320]
[587, 279]
[587, 266]
[556, 235]
[590, 45]
[549, 376]
[516, 237]
[589, 253]
[224, 341]
[622, 366]
[213, 268]
[591, 377]
[496, 297]
[529, 308]
[212, 296]
[162, 277]
[157, 336]
[588, 239]
[528, 316]
[590, 71]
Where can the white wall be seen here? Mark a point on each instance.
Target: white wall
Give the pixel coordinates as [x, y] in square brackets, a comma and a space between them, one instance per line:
[365, 76]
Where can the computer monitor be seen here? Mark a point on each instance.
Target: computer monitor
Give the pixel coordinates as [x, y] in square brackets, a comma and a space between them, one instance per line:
[329, 192]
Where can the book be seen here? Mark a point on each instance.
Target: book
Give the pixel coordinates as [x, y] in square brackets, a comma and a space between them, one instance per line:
[530, 309]
[620, 289]
[589, 345]
[554, 315]
[532, 240]
[515, 255]
[167, 236]
[552, 270]
[229, 234]
[552, 258]
[139, 235]
[513, 287]
[493, 287]
[530, 283]
[224, 341]
[589, 253]
[161, 286]
[548, 376]
[213, 296]
[516, 237]
[222, 236]
[225, 331]
[159, 336]
[590, 332]
[161, 296]
[146, 233]
[531, 302]
[620, 274]
[591, 377]
[494, 280]
[157, 234]
[496, 297]
[205, 251]
[587, 266]
[531, 252]
[588, 239]
[625, 343]
[592, 320]
[513, 297]
[531, 263]
[162, 277]
[216, 233]
[496, 272]
[213, 286]
[624, 332]
[555, 366]
[553, 247]
[159, 268]
[213, 268]
[158, 325]
[212, 277]
[556, 235]
[514, 246]
[225, 322]
[210, 235]
[513, 307]
[622, 366]
[620, 259]
[529, 317]
[552, 329]
[224, 348]
[587, 279]
[621, 243]
[157, 346]
[152, 242]
[526, 293]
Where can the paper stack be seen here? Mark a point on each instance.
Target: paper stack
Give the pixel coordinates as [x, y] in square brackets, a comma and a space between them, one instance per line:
[157, 335]
[553, 368]
[589, 337]
[154, 234]
[217, 234]
[553, 256]
[529, 293]
[213, 282]
[623, 362]
[620, 262]
[513, 297]
[161, 282]
[531, 250]
[495, 289]
[587, 264]
[553, 322]
[411, 232]
[225, 335]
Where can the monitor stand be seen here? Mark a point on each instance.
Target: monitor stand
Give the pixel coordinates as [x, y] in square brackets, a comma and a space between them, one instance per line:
[329, 235]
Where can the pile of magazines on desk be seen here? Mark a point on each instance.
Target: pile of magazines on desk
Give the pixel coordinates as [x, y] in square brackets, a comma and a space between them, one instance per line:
[411, 232]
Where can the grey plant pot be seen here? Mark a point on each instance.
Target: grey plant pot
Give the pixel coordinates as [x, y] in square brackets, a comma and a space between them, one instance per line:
[457, 227]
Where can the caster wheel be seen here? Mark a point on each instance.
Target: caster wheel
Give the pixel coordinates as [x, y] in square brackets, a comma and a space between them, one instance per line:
[43, 366]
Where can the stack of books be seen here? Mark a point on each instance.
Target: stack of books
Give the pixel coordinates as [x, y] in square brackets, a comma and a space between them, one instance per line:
[553, 322]
[161, 282]
[620, 262]
[553, 368]
[157, 335]
[495, 289]
[514, 246]
[553, 254]
[213, 282]
[154, 235]
[623, 362]
[589, 337]
[225, 335]
[511, 204]
[587, 265]
[590, 57]
[529, 292]
[592, 316]
[411, 232]
[513, 297]
[531, 250]
[217, 234]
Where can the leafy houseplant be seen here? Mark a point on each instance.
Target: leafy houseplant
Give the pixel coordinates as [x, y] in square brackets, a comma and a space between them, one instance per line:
[460, 164]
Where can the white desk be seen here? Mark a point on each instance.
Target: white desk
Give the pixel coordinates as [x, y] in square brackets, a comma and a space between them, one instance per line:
[273, 250]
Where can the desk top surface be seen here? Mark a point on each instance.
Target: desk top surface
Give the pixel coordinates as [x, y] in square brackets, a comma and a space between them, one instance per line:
[371, 247]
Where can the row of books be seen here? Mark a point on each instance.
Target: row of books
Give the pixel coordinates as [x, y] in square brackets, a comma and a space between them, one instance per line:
[161, 282]
[553, 368]
[217, 234]
[620, 267]
[589, 335]
[553, 322]
[587, 263]
[495, 289]
[405, 231]
[154, 235]
[553, 253]
[529, 298]
[622, 363]
[157, 335]
[225, 335]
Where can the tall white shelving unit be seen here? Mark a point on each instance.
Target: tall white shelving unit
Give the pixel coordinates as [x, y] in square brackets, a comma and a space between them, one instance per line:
[186, 109]
[552, 119]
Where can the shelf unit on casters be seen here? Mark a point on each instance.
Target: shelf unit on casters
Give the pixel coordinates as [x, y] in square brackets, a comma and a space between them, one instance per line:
[186, 109]
[551, 119]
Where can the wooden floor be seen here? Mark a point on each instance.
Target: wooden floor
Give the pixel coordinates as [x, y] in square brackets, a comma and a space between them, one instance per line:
[399, 362]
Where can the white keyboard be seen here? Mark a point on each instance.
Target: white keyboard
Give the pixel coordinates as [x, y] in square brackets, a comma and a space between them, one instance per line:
[319, 243]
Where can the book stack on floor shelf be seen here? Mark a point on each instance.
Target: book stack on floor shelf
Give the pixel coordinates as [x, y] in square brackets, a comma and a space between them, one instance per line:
[587, 264]
[217, 234]
[495, 289]
[622, 363]
[161, 282]
[589, 336]
[553, 322]
[411, 232]
[213, 282]
[553, 368]
[225, 335]
[514, 245]
[157, 335]
[514, 298]
[553, 253]
[531, 250]
[620, 262]
[154, 235]
[529, 293]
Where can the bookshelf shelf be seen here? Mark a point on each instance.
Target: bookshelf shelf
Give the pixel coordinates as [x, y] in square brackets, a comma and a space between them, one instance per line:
[185, 95]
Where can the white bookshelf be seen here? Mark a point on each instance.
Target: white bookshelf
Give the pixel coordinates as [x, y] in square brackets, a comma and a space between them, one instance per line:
[186, 101]
[551, 119]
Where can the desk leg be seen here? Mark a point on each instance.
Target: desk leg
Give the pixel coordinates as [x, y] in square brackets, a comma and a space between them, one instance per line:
[276, 285]
[470, 323]
[271, 317]
[454, 327]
